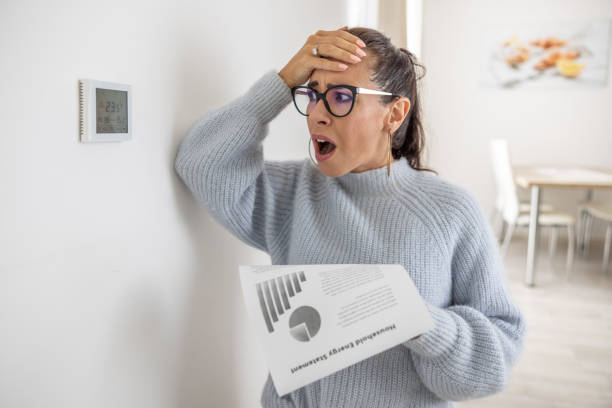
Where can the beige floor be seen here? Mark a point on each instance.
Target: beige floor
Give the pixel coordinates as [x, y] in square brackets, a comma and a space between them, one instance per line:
[567, 359]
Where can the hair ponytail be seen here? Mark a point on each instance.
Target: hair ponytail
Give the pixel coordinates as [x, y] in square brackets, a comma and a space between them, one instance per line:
[395, 71]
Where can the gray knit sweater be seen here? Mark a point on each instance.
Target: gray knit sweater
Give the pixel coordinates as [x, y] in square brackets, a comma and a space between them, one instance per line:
[435, 229]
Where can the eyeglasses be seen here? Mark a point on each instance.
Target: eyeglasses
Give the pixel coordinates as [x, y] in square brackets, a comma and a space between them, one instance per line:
[338, 99]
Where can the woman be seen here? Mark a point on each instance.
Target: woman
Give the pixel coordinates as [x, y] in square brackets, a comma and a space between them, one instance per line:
[357, 205]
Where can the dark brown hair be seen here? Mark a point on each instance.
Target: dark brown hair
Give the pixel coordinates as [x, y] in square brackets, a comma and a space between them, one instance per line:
[395, 71]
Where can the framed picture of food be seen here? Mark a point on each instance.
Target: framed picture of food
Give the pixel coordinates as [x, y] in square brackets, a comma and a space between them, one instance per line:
[569, 54]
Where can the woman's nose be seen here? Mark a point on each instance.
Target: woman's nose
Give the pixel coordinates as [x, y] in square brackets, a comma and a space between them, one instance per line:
[319, 113]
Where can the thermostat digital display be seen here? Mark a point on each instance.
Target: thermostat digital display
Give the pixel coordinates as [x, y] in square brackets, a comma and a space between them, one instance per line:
[105, 111]
[111, 111]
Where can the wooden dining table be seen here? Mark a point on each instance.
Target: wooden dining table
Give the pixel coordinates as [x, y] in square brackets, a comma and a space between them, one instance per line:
[536, 178]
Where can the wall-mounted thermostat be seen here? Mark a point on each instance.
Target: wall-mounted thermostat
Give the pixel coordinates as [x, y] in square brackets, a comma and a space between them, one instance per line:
[105, 111]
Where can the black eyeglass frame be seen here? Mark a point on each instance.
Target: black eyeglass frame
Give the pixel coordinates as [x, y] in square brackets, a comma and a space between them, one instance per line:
[323, 95]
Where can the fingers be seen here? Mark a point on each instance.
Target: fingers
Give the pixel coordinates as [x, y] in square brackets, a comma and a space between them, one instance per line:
[327, 64]
[349, 37]
[337, 44]
[332, 45]
[333, 51]
[355, 41]
[348, 46]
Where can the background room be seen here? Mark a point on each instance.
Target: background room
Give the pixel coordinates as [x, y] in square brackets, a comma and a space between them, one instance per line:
[118, 289]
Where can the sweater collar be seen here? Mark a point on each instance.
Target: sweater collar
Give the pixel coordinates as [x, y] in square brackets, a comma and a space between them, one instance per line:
[376, 180]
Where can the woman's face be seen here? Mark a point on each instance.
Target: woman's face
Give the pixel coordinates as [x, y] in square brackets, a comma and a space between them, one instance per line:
[362, 137]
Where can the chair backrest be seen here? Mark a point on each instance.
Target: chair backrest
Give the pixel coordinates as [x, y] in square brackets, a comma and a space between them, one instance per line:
[502, 172]
[499, 189]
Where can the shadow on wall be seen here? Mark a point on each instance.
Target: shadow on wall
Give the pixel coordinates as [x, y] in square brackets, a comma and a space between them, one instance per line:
[206, 371]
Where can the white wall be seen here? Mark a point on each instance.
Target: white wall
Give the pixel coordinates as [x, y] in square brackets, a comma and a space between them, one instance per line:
[542, 127]
[116, 288]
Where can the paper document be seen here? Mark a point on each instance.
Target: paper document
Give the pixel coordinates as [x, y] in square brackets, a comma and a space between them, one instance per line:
[314, 320]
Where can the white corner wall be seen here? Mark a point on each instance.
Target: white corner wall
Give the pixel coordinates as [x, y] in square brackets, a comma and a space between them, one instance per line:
[117, 289]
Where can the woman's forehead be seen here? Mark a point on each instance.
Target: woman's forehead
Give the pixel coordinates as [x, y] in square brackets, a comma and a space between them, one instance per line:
[355, 74]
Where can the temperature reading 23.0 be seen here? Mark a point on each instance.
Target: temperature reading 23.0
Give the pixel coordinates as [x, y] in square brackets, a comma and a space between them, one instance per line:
[111, 112]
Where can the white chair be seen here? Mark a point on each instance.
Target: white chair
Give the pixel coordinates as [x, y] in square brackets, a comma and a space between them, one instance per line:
[512, 215]
[499, 155]
[603, 211]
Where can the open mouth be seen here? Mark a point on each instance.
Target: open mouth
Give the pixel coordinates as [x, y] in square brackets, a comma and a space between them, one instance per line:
[325, 147]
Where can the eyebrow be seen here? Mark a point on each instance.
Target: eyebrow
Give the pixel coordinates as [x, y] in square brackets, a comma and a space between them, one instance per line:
[315, 83]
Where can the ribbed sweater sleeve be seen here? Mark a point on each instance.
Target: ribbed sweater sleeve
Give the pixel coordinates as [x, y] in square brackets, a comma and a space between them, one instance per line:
[477, 340]
[220, 159]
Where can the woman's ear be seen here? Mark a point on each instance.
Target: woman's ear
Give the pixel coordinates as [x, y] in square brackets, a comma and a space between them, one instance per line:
[398, 112]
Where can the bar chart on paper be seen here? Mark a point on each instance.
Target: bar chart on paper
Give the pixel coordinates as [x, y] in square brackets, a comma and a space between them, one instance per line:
[274, 300]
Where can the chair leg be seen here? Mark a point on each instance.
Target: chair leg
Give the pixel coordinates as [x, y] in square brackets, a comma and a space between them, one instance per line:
[606, 256]
[587, 232]
[507, 237]
[579, 229]
[552, 244]
[571, 239]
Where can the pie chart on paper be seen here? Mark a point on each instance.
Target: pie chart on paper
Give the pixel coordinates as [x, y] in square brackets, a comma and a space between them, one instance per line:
[304, 323]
